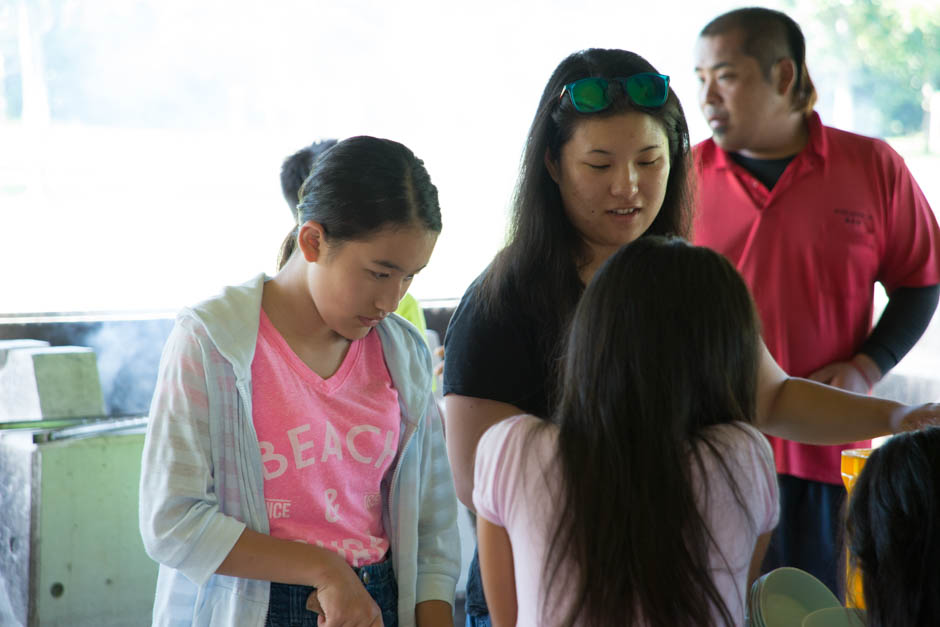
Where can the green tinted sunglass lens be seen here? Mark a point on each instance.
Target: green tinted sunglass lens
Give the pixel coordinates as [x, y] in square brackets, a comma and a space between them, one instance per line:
[648, 90]
[589, 95]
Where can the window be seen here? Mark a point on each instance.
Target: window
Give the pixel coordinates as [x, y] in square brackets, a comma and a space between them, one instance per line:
[140, 142]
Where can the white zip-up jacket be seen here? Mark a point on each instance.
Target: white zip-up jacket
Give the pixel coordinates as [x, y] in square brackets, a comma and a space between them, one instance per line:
[202, 481]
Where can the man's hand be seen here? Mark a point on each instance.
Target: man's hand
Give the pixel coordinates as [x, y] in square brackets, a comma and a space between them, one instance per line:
[857, 375]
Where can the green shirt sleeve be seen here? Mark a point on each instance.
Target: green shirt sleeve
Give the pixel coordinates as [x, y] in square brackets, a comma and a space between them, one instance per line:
[410, 310]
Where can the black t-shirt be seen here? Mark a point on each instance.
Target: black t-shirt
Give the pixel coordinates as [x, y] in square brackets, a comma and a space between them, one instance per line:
[499, 358]
[767, 171]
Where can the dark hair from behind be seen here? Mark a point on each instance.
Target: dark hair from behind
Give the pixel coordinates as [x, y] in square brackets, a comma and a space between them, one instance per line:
[296, 168]
[544, 248]
[893, 530]
[770, 36]
[361, 186]
[664, 344]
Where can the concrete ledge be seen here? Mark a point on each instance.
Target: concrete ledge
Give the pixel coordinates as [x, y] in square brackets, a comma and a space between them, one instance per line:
[11, 345]
[50, 382]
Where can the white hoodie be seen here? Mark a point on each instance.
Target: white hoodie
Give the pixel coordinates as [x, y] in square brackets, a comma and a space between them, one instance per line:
[201, 479]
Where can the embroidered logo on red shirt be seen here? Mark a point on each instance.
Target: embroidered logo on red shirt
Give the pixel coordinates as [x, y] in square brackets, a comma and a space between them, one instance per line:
[856, 218]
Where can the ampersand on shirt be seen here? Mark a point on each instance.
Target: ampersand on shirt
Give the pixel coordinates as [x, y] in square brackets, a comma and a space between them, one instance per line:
[332, 510]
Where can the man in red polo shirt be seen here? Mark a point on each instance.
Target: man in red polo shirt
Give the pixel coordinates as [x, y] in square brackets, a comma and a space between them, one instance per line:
[812, 217]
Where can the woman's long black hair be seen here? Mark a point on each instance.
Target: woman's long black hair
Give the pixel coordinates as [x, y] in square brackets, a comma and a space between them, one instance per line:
[541, 260]
[663, 344]
[893, 530]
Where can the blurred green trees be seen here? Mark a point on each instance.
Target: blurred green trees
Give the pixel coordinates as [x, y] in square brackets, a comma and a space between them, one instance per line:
[886, 50]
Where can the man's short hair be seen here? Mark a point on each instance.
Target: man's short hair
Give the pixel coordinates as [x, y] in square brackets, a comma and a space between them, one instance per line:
[770, 36]
[296, 168]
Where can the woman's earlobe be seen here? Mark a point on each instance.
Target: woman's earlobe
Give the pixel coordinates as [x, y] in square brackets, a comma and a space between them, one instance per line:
[551, 166]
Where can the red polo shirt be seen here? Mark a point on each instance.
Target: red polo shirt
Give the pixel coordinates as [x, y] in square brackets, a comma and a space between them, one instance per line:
[845, 214]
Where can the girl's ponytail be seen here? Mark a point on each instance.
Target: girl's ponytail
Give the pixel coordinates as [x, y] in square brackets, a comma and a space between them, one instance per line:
[287, 247]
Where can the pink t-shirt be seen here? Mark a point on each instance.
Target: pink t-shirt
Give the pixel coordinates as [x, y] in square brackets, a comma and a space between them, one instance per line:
[515, 486]
[325, 444]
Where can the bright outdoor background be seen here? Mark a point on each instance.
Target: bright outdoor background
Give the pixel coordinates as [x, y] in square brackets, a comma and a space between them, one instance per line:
[140, 140]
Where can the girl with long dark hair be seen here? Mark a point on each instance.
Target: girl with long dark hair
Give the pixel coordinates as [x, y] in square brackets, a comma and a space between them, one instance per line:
[647, 497]
[893, 530]
[294, 459]
[607, 161]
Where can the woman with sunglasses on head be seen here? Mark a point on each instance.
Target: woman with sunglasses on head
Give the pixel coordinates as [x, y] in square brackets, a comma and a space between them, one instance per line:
[606, 161]
[294, 470]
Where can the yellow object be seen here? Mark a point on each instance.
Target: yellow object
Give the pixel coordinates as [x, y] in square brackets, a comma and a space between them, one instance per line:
[410, 309]
[852, 462]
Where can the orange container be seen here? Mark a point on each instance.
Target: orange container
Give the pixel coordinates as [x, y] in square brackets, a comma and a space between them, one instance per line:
[852, 462]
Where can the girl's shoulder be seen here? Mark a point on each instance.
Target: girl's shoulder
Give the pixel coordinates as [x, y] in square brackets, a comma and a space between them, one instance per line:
[399, 329]
[522, 436]
[736, 433]
[228, 321]
[510, 456]
[493, 299]
[234, 305]
[741, 443]
[520, 426]
[188, 335]
[404, 346]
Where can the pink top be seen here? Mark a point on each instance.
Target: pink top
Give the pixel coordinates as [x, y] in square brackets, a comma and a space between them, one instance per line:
[513, 480]
[326, 444]
[845, 214]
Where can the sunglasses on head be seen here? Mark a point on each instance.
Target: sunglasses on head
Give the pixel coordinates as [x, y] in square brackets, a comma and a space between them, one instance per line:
[590, 95]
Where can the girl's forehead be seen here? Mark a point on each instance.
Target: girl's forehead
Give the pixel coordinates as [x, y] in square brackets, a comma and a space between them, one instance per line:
[407, 248]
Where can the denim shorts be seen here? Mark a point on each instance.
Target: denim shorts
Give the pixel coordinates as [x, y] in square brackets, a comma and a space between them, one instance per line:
[288, 606]
[478, 621]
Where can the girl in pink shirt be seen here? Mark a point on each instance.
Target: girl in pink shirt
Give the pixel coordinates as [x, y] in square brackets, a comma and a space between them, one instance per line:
[649, 497]
[294, 470]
